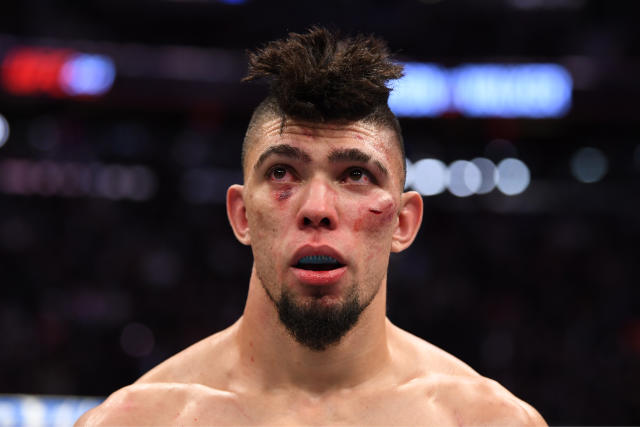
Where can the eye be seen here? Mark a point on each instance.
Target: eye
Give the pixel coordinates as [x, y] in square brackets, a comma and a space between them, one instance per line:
[279, 173]
[358, 176]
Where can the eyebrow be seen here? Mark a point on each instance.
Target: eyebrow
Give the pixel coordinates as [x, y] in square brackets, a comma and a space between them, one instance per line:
[355, 155]
[285, 150]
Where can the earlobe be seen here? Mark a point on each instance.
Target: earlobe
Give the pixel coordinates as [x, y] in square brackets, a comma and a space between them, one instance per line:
[237, 214]
[409, 220]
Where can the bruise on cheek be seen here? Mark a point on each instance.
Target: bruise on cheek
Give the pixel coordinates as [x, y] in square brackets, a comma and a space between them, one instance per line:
[282, 194]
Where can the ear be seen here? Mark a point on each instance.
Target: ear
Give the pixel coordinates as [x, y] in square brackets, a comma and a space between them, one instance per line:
[237, 214]
[409, 220]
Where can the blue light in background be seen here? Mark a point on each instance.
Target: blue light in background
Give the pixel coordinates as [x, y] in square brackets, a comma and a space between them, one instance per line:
[527, 90]
[423, 91]
[481, 90]
[31, 410]
[85, 74]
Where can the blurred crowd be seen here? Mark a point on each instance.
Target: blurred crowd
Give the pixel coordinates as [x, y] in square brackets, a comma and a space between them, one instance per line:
[97, 291]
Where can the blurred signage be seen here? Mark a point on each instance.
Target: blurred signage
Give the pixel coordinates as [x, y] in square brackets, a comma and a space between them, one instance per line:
[483, 90]
[29, 410]
[29, 71]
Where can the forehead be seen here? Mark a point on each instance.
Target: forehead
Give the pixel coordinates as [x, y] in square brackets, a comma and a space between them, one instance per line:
[318, 139]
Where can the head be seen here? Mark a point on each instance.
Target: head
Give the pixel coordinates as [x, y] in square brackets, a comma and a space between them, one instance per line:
[322, 204]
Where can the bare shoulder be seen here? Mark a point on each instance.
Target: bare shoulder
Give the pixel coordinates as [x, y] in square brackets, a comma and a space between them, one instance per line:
[477, 401]
[426, 357]
[136, 404]
[461, 394]
[169, 391]
[154, 404]
[193, 364]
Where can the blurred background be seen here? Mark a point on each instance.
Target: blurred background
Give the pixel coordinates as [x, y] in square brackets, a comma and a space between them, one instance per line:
[120, 129]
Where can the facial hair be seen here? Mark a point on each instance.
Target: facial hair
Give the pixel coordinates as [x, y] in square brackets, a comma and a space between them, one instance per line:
[316, 325]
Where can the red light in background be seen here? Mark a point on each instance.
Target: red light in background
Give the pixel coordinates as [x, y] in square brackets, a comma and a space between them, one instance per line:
[34, 71]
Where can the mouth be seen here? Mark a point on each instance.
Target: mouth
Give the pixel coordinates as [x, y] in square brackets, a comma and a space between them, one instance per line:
[318, 263]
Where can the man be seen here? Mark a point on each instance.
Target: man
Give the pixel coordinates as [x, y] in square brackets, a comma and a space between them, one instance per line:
[322, 207]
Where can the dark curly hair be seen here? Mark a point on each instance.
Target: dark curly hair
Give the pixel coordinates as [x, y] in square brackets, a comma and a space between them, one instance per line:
[319, 77]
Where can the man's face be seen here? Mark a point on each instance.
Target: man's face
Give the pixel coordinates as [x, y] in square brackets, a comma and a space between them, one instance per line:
[321, 204]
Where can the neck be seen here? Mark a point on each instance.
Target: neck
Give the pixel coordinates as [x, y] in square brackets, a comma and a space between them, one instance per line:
[271, 356]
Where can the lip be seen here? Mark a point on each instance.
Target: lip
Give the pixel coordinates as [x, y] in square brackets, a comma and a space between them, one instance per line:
[317, 277]
[308, 250]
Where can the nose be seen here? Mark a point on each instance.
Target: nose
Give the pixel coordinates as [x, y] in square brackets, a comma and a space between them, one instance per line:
[318, 208]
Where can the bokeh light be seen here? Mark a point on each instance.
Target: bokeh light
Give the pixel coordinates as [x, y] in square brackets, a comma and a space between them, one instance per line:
[488, 174]
[512, 176]
[464, 178]
[4, 130]
[429, 176]
[137, 340]
[49, 178]
[589, 165]
[521, 90]
[499, 148]
[422, 91]
[85, 74]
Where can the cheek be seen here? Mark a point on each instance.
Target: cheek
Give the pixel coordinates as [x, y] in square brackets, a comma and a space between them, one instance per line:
[282, 194]
[375, 215]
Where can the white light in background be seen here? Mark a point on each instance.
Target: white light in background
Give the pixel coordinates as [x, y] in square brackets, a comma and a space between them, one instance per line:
[8, 414]
[589, 165]
[423, 91]
[488, 173]
[478, 90]
[524, 90]
[464, 178]
[408, 182]
[87, 75]
[429, 176]
[33, 410]
[512, 177]
[4, 130]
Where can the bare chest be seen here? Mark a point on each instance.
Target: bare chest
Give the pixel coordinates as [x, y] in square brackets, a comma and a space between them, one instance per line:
[404, 408]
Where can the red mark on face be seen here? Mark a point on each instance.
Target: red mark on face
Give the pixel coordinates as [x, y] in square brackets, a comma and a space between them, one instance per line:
[375, 217]
[252, 360]
[385, 212]
[283, 194]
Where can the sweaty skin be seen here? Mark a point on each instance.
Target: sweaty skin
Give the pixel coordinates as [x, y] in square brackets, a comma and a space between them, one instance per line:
[308, 192]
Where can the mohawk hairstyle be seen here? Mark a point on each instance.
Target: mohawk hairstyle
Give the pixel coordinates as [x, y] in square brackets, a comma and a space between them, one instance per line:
[319, 77]
[315, 76]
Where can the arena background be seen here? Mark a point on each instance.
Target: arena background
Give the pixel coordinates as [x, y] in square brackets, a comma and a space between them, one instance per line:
[115, 251]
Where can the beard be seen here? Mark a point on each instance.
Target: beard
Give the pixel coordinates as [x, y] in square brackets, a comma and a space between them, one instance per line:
[316, 325]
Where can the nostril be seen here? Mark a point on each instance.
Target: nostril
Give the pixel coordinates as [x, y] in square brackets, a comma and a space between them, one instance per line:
[325, 221]
[306, 221]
